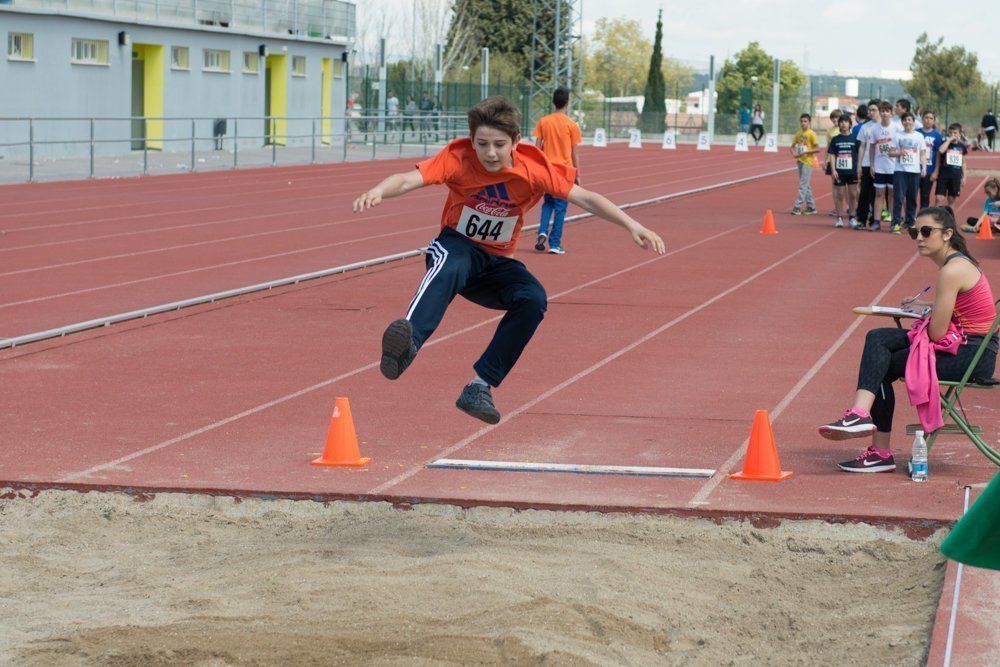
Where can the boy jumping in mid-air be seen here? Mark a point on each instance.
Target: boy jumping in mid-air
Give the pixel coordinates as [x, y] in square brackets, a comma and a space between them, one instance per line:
[492, 181]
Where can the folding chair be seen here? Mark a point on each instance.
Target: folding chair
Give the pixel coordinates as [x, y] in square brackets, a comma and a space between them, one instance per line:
[951, 405]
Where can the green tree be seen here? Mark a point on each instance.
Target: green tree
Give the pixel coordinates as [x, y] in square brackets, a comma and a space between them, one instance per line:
[943, 76]
[617, 57]
[737, 74]
[502, 26]
[654, 110]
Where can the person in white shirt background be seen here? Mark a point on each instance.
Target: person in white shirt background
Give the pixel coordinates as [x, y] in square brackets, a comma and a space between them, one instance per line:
[910, 152]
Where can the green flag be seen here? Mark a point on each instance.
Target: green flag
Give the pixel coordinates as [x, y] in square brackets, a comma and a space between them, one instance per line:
[975, 539]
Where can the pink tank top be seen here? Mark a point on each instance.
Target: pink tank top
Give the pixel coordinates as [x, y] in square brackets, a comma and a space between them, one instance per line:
[975, 309]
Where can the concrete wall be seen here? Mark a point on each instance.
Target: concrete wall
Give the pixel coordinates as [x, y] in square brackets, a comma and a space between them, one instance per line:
[53, 87]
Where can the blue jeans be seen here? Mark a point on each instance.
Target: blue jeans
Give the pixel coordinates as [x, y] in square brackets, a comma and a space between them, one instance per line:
[555, 209]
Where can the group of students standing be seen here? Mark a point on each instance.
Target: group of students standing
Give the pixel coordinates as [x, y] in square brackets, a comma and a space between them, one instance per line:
[884, 167]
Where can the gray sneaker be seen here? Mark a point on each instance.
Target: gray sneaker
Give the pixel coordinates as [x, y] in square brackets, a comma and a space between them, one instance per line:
[477, 401]
[540, 242]
[398, 349]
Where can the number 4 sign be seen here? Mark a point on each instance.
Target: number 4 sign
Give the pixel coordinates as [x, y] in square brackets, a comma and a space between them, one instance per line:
[741, 142]
[704, 141]
[635, 138]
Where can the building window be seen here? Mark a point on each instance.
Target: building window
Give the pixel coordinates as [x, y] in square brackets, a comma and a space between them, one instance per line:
[89, 52]
[20, 46]
[251, 62]
[338, 69]
[216, 60]
[179, 57]
[298, 65]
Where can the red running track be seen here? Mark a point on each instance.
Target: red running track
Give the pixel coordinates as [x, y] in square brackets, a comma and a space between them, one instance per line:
[641, 360]
[80, 250]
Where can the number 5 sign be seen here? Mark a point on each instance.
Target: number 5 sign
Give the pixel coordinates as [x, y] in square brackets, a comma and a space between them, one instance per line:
[704, 141]
[669, 140]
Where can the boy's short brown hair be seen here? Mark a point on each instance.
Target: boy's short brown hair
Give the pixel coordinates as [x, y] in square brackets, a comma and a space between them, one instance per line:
[885, 106]
[497, 112]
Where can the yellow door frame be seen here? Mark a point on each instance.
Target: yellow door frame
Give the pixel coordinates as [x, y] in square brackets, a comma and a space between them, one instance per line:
[326, 105]
[152, 97]
[278, 64]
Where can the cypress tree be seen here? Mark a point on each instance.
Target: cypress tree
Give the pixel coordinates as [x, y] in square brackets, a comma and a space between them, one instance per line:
[654, 110]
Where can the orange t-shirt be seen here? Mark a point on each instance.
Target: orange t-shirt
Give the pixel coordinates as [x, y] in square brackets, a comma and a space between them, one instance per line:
[489, 208]
[559, 134]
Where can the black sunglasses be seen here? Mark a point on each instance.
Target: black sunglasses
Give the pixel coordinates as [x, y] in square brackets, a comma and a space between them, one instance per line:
[924, 231]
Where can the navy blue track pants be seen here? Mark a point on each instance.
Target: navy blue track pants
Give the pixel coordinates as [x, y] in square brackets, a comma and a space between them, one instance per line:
[456, 265]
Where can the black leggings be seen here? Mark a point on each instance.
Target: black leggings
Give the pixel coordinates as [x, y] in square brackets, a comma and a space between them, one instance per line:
[754, 129]
[884, 361]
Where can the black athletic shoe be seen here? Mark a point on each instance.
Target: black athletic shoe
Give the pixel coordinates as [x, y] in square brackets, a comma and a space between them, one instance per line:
[540, 242]
[851, 425]
[870, 460]
[477, 401]
[398, 349]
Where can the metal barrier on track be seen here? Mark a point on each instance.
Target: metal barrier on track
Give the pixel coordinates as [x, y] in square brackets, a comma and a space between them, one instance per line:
[176, 138]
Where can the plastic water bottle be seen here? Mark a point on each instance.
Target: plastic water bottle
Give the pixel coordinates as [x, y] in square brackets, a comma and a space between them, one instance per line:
[918, 458]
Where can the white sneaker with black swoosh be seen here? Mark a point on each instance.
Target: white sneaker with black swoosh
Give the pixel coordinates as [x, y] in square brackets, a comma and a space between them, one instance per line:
[870, 460]
[851, 425]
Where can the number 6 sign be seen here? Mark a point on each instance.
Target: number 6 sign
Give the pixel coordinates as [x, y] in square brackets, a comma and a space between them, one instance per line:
[669, 140]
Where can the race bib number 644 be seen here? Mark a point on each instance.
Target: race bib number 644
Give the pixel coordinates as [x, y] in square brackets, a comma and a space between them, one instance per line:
[487, 224]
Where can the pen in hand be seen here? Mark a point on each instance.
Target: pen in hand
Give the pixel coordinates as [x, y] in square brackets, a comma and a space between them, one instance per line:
[916, 296]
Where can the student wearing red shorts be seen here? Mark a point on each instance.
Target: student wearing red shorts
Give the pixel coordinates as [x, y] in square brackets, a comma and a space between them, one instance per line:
[492, 181]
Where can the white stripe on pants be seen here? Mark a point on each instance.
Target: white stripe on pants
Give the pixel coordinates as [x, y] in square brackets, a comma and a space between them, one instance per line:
[439, 254]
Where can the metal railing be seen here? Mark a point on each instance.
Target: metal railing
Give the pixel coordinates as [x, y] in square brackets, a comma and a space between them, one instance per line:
[320, 19]
[183, 137]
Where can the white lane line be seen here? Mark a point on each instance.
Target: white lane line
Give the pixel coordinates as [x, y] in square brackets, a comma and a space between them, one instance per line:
[949, 642]
[248, 260]
[295, 196]
[382, 488]
[193, 301]
[701, 497]
[325, 383]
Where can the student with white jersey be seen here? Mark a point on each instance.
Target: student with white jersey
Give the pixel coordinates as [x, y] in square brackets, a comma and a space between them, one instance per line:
[910, 152]
[866, 193]
[880, 143]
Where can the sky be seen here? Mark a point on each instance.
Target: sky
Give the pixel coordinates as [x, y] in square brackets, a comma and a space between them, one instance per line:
[826, 33]
[824, 37]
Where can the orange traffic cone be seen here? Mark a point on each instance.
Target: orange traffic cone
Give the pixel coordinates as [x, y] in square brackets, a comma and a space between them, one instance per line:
[768, 227]
[985, 233]
[762, 456]
[341, 442]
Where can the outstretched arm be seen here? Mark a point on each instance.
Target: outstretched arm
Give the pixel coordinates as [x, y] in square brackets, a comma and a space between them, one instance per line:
[598, 205]
[394, 186]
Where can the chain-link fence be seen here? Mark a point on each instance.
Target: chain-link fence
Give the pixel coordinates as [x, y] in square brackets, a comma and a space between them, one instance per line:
[419, 97]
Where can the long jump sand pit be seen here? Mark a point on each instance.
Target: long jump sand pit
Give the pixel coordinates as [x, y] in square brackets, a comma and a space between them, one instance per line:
[100, 578]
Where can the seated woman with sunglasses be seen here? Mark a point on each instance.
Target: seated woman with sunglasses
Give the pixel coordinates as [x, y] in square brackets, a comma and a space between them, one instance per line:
[962, 297]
